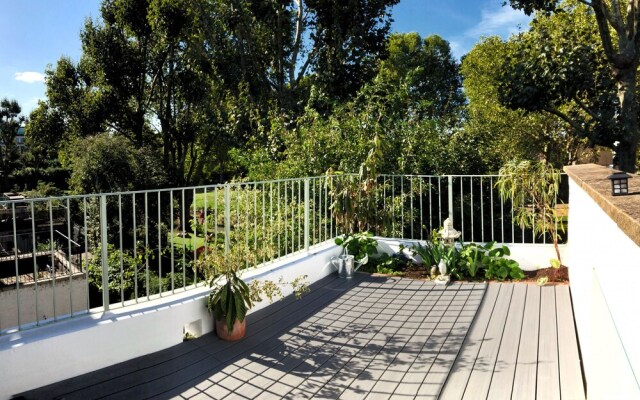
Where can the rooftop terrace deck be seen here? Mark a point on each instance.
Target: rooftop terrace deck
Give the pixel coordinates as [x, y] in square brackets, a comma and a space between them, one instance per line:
[369, 337]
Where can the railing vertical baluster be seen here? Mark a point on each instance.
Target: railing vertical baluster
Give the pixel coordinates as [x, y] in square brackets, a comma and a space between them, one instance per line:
[306, 215]
[384, 199]
[313, 219]
[104, 255]
[35, 263]
[215, 213]
[502, 217]
[53, 260]
[205, 222]
[15, 254]
[513, 231]
[462, 207]
[491, 192]
[481, 210]
[194, 224]
[293, 218]
[522, 227]
[264, 240]
[300, 233]
[135, 246]
[402, 197]
[271, 224]
[471, 187]
[172, 240]
[70, 266]
[227, 217]
[146, 245]
[285, 226]
[86, 250]
[277, 225]
[421, 211]
[246, 218]
[393, 205]
[450, 197]
[121, 250]
[430, 187]
[411, 221]
[159, 248]
[184, 241]
[255, 217]
[440, 200]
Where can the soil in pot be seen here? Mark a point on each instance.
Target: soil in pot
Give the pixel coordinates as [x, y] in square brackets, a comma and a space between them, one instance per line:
[237, 333]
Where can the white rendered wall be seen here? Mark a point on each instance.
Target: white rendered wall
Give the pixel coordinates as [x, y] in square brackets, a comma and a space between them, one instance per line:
[66, 349]
[604, 270]
[65, 302]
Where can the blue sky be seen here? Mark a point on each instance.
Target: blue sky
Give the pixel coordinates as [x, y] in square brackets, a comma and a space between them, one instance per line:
[36, 33]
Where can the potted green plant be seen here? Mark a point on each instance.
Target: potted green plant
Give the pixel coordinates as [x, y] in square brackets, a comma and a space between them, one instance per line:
[231, 297]
[532, 188]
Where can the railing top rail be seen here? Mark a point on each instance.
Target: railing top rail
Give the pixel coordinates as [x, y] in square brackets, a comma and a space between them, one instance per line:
[9, 203]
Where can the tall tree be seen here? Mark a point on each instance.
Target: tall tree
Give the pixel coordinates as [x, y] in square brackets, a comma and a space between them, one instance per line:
[618, 23]
[430, 73]
[10, 121]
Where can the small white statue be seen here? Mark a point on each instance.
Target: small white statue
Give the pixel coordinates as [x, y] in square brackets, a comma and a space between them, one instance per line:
[442, 267]
[448, 233]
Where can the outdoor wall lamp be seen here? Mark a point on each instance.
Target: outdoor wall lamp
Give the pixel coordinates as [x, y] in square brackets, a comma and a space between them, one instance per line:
[619, 184]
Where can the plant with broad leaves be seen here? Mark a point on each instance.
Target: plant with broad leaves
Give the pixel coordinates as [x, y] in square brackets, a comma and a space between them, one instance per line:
[231, 297]
[359, 245]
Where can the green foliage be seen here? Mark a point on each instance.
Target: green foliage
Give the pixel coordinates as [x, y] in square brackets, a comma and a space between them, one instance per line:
[105, 163]
[612, 59]
[231, 298]
[498, 132]
[358, 245]
[491, 260]
[532, 188]
[470, 260]
[10, 121]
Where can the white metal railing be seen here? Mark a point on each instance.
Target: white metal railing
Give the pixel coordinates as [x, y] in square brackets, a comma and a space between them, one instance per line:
[115, 249]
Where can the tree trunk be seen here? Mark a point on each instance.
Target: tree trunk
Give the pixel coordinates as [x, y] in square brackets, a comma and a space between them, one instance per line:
[626, 150]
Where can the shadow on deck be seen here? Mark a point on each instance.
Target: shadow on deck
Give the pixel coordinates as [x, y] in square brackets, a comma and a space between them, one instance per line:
[372, 337]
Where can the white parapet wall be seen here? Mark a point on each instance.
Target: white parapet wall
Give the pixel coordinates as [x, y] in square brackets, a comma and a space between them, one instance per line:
[62, 350]
[604, 270]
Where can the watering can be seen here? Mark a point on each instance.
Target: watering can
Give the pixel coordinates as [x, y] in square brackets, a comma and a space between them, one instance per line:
[347, 264]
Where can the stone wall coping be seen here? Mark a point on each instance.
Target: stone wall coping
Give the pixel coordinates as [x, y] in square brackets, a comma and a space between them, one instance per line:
[623, 210]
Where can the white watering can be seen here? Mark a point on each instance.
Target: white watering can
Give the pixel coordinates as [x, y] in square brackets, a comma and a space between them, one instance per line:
[347, 264]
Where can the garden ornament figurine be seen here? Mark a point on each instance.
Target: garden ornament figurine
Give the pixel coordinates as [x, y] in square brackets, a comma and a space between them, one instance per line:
[448, 235]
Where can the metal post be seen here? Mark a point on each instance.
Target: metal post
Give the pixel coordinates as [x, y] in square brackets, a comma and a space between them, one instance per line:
[227, 217]
[306, 215]
[103, 244]
[450, 189]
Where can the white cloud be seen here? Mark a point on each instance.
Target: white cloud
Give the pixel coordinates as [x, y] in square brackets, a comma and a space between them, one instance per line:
[503, 21]
[497, 20]
[29, 77]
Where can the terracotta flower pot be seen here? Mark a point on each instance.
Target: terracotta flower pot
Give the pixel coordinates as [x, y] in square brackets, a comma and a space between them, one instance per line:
[237, 333]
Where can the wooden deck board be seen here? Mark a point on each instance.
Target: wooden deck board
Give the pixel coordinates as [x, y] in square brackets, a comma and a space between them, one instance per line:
[456, 382]
[524, 381]
[548, 384]
[480, 378]
[369, 337]
[502, 380]
[571, 383]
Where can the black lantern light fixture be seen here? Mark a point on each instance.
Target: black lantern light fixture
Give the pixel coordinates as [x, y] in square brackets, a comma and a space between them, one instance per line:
[619, 184]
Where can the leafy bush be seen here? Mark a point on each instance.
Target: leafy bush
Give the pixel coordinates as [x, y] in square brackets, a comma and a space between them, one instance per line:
[387, 264]
[475, 258]
[358, 245]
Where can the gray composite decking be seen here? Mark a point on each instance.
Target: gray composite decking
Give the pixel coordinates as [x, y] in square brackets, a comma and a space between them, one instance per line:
[369, 337]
